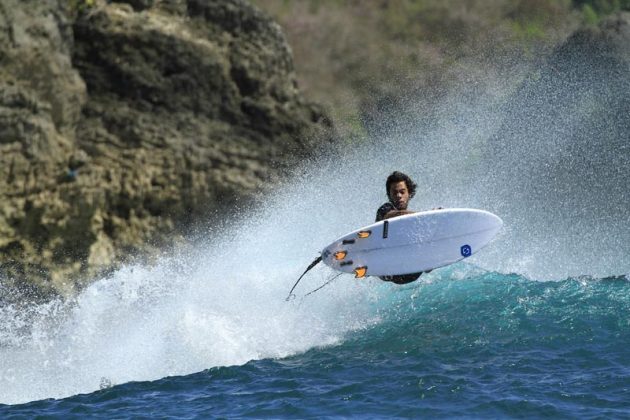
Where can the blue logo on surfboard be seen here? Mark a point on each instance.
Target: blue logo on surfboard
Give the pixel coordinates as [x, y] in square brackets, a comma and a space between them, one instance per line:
[466, 251]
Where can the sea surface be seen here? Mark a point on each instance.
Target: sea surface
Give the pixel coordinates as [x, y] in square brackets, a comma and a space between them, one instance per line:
[461, 342]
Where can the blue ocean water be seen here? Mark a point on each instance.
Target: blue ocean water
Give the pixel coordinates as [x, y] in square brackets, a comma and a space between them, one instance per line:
[463, 342]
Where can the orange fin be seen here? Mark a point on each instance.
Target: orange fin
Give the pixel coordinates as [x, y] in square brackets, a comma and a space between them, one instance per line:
[360, 272]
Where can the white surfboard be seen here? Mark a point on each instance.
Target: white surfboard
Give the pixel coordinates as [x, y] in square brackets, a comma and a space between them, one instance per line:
[412, 243]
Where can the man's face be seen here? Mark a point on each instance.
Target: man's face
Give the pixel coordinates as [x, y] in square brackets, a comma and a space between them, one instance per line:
[399, 195]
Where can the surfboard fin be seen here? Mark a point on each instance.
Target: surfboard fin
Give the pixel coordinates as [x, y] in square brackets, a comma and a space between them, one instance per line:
[360, 272]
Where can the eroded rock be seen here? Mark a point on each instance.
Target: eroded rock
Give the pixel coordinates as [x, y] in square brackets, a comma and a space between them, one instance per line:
[125, 125]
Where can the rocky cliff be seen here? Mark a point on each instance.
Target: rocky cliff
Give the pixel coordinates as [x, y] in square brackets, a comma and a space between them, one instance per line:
[124, 123]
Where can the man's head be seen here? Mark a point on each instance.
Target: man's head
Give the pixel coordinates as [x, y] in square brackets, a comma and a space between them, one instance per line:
[400, 189]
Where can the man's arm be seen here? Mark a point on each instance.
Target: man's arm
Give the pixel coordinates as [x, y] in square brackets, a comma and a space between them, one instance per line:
[396, 213]
[383, 210]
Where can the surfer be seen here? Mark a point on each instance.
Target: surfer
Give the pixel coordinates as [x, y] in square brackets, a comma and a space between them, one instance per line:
[400, 189]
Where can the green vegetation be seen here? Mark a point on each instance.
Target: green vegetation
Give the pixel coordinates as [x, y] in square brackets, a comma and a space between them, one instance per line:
[589, 16]
[603, 7]
[363, 58]
[76, 7]
[594, 10]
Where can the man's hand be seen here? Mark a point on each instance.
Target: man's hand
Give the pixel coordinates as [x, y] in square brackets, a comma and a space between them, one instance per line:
[396, 213]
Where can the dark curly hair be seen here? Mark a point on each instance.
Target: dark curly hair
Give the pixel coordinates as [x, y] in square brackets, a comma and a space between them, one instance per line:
[396, 177]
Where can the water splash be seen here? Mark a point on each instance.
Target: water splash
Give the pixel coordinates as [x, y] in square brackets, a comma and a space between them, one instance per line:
[223, 303]
[176, 318]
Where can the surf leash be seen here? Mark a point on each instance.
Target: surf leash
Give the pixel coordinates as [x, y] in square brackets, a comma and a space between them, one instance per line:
[323, 285]
[313, 264]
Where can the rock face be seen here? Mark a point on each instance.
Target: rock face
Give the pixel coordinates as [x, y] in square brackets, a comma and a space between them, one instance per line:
[122, 124]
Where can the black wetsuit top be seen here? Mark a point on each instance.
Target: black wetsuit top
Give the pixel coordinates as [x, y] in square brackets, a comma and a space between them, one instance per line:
[383, 210]
[402, 278]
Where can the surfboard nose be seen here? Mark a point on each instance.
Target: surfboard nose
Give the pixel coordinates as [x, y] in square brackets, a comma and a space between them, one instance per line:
[494, 223]
[498, 222]
[491, 220]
